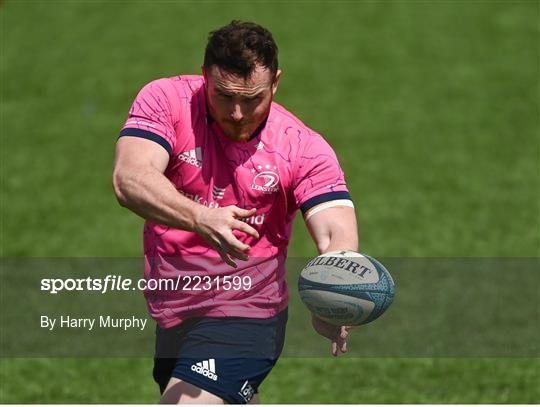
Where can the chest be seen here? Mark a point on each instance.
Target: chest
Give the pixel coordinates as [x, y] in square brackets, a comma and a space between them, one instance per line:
[216, 174]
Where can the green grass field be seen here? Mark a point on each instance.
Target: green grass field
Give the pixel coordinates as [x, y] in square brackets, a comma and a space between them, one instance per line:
[432, 108]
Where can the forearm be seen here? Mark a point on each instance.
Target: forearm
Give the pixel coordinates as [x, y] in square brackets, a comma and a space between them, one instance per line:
[147, 192]
[334, 229]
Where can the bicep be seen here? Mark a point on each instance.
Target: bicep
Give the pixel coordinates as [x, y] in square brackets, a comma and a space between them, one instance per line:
[139, 152]
[334, 228]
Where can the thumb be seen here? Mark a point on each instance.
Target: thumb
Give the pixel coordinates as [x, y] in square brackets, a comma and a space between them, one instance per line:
[243, 213]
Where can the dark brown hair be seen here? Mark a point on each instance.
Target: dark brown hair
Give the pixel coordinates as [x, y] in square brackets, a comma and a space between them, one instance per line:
[239, 46]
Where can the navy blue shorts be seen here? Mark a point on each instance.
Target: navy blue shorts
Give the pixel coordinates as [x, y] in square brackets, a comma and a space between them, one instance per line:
[228, 357]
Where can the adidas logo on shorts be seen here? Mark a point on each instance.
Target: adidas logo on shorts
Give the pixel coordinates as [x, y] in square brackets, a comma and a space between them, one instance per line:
[207, 368]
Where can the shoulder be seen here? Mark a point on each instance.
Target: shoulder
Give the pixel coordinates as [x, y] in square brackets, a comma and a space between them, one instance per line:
[175, 87]
[283, 118]
[289, 127]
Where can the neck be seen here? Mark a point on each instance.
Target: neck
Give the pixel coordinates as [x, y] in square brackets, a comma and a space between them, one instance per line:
[239, 138]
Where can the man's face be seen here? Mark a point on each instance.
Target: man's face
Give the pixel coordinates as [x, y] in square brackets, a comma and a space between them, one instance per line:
[240, 105]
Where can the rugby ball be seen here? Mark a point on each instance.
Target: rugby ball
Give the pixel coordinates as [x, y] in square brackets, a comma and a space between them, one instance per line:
[346, 288]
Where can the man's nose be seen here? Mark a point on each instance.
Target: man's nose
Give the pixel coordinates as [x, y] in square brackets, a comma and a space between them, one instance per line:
[236, 113]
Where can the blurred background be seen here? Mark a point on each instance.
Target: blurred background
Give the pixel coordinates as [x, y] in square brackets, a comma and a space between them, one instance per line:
[432, 108]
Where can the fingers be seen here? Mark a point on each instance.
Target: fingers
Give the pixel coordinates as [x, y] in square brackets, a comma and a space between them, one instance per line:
[244, 227]
[334, 348]
[226, 258]
[228, 250]
[343, 347]
[337, 334]
[340, 343]
[242, 213]
[344, 332]
[235, 248]
[217, 227]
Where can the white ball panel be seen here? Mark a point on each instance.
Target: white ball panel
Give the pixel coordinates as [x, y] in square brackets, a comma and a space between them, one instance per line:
[338, 309]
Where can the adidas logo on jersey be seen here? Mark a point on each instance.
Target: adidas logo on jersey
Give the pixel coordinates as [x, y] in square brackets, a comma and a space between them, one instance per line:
[193, 157]
[206, 368]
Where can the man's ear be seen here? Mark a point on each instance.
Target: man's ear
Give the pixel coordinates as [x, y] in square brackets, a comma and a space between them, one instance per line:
[275, 83]
[205, 75]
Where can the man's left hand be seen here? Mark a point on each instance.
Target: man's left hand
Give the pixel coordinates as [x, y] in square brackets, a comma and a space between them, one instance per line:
[336, 334]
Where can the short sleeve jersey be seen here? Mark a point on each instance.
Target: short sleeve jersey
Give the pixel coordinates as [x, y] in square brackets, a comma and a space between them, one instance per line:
[285, 166]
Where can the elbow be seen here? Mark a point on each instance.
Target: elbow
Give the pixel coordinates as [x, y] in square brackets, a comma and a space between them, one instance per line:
[119, 187]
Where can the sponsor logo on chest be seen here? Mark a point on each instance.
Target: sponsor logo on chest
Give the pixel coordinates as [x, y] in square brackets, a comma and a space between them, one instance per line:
[199, 199]
[265, 179]
[257, 219]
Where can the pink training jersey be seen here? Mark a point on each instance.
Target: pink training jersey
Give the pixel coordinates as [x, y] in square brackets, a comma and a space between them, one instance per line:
[285, 166]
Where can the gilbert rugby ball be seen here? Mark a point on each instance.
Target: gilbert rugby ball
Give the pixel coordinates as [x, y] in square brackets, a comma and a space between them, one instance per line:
[346, 288]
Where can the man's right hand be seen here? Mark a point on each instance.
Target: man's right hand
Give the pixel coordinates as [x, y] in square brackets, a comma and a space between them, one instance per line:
[216, 226]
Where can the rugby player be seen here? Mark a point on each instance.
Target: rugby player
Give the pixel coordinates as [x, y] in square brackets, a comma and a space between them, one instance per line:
[218, 170]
